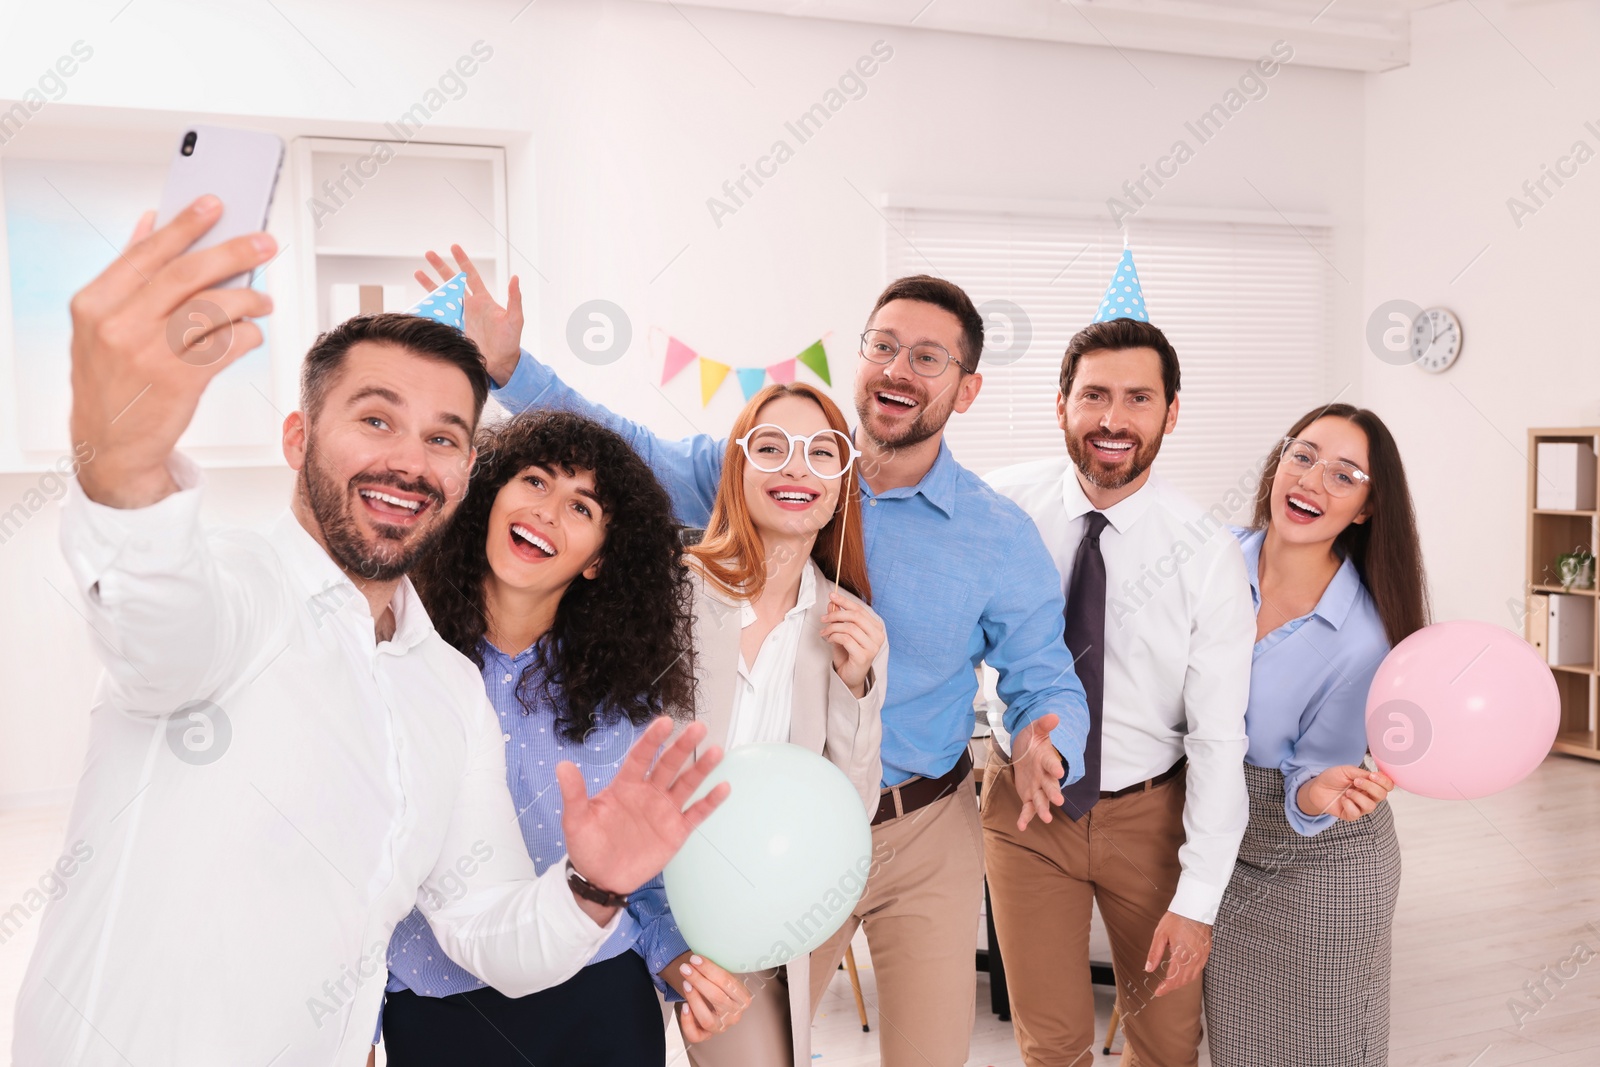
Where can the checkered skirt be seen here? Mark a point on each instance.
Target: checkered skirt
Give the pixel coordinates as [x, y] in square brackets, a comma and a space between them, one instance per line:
[1299, 970]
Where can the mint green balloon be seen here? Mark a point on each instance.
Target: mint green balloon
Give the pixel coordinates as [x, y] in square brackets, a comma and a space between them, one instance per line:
[777, 868]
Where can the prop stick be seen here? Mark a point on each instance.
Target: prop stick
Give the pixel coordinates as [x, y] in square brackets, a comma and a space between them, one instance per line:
[844, 519]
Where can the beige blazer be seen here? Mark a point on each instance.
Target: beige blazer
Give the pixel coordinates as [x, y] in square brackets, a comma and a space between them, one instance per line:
[827, 719]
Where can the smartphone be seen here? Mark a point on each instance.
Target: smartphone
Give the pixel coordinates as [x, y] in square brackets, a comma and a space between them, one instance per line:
[239, 167]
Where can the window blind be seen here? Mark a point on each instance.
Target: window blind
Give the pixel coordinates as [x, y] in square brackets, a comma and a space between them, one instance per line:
[1246, 305]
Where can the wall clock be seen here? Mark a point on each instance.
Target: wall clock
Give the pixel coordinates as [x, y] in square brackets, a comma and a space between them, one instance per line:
[1436, 340]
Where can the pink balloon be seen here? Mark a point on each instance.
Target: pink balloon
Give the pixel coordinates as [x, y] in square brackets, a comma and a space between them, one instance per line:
[1460, 710]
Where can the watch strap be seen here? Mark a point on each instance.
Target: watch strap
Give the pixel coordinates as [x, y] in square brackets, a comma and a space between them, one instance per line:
[593, 893]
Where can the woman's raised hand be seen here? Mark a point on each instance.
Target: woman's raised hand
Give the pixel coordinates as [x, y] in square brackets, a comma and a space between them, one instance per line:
[857, 634]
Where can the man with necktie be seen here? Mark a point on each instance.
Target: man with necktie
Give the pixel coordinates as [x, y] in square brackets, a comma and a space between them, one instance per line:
[1160, 623]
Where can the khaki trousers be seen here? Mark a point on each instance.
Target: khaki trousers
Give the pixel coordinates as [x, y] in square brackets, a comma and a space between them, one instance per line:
[1123, 857]
[920, 910]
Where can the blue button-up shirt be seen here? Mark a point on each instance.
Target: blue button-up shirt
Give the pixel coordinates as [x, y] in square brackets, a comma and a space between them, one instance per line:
[1308, 683]
[959, 576]
[533, 748]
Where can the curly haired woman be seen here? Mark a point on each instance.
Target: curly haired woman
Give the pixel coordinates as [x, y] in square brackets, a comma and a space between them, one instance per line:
[562, 579]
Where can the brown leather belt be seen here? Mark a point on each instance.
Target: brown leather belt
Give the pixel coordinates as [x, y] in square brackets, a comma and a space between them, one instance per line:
[1149, 783]
[920, 792]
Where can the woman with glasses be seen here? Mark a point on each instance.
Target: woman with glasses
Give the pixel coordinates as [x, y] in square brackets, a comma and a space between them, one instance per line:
[1299, 969]
[786, 647]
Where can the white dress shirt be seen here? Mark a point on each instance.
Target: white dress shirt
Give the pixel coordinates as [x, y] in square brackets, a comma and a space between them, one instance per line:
[252, 854]
[763, 696]
[1180, 627]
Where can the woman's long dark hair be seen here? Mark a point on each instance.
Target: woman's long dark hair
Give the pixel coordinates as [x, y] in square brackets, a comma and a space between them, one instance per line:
[1385, 549]
[622, 642]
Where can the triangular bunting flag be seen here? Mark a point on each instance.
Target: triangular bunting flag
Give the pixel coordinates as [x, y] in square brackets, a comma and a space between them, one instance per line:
[679, 356]
[782, 372]
[711, 375]
[816, 358]
[751, 380]
[446, 303]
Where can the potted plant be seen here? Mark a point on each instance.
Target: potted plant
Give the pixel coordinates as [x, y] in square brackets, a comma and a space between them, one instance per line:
[1575, 569]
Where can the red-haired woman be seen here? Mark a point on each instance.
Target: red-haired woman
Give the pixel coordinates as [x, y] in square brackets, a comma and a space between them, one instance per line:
[786, 647]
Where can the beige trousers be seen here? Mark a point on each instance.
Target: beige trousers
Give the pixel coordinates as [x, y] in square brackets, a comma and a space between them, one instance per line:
[920, 909]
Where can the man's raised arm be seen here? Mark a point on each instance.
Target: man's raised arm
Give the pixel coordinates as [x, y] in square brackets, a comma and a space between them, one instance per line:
[689, 468]
[171, 624]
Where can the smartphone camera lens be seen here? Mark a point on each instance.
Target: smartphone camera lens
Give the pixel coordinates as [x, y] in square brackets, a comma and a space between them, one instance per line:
[188, 142]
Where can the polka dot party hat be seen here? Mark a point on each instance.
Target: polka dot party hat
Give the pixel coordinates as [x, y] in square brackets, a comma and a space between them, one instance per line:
[445, 304]
[1124, 299]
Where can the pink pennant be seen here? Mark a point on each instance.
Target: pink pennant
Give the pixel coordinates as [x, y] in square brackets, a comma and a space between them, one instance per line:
[782, 372]
[679, 356]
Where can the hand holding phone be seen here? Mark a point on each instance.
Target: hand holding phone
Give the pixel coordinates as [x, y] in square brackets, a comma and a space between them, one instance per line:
[168, 314]
[239, 167]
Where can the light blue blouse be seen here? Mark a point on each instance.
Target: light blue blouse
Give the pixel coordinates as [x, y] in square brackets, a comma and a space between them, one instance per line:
[533, 748]
[1308, 683]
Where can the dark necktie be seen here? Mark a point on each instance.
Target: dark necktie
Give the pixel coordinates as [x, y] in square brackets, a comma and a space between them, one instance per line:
[1086, 640]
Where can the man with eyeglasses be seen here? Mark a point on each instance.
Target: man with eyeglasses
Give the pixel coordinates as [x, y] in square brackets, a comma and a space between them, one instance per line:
[959, 575]
[1160, 618]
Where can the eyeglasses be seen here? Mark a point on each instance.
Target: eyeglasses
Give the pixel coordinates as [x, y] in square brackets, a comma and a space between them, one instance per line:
[1339, 478]
[927, 359]
[828, 453]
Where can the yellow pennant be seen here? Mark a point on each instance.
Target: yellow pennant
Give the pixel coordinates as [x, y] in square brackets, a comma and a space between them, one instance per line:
[711, 375]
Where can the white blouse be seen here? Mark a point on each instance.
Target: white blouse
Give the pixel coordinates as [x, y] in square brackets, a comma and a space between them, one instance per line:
[763, 695]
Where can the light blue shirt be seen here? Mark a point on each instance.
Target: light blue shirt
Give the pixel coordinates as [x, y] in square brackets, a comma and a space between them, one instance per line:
[1308, 683]
[959, 576]
[533, 748]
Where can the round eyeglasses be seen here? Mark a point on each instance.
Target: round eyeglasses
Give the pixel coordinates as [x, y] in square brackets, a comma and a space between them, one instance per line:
[927, 359]
[828, 453]
[1339, 477]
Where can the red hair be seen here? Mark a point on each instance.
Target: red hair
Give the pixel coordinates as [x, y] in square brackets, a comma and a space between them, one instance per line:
[732, 553]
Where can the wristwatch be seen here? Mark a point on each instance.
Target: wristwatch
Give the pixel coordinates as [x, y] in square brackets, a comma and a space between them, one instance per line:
[593, 893]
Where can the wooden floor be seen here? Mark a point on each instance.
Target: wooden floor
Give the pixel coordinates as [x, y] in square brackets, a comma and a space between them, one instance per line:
[1496, 893]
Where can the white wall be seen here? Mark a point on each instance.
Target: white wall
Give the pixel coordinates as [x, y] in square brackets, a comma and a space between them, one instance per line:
[1490, 96]
[634, 115]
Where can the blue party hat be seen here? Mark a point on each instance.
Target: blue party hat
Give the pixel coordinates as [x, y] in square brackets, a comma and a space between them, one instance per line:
[1124, 298]
[445, 304]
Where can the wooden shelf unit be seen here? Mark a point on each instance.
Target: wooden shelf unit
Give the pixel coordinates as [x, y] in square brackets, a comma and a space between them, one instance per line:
[1552, 532]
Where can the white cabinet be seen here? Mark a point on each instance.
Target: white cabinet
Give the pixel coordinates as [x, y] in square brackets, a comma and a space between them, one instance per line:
[366, 211]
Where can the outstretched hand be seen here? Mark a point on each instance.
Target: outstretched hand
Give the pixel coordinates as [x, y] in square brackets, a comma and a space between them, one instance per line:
[621, 837]
[148, 335]
[496, 330]
[1039, 770]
